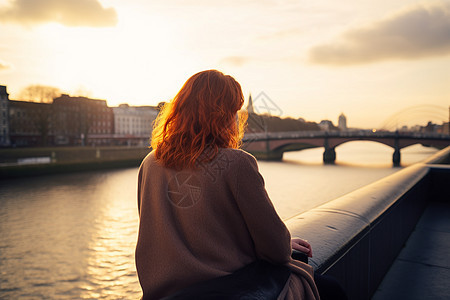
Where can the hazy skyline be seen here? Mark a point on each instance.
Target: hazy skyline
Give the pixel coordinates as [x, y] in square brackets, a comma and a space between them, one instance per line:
[367, 59]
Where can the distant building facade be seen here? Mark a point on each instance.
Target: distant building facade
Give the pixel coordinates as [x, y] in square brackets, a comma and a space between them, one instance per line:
[73, 121]
[30, 123]
[342, 122]
[133, 124]
[446, 128]
[326, 125]
[4, 117]
[82, 121]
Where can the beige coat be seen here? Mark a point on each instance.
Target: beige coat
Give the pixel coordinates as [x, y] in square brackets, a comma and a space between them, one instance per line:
[200, 224]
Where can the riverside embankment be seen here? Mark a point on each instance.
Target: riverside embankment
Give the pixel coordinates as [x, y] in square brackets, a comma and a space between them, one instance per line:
[21, 162]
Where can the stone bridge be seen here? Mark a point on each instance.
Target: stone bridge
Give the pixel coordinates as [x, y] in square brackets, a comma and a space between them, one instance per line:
[272, 145]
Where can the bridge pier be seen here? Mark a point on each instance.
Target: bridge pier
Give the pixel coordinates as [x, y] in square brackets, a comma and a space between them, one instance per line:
[396, 157]
[329, 156]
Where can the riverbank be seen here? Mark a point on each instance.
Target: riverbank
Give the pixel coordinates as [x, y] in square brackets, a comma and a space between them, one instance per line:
[24, 162]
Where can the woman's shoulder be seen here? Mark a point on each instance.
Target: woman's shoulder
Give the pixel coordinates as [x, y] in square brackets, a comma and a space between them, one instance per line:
[150, 160]
[237, 157]
[150, 156]
[236, 154]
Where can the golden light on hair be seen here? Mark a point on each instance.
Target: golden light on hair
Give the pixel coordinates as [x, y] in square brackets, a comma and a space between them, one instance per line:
[202, 115]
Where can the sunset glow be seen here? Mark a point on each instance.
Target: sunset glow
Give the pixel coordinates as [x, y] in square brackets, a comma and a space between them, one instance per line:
[315, 60]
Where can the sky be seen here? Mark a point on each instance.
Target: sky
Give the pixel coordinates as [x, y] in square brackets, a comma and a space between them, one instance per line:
[381, 63]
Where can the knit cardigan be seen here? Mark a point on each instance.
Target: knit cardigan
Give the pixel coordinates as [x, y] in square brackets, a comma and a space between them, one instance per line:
[208, 222]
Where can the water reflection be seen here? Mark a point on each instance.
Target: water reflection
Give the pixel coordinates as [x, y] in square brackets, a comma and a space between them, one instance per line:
[111, 259]
[69, 236]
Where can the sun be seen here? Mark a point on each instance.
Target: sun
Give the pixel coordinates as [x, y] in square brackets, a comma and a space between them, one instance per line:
[118, 64]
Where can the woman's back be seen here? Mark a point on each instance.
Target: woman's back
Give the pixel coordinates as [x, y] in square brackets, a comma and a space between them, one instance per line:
[204, 211]
[202, 223]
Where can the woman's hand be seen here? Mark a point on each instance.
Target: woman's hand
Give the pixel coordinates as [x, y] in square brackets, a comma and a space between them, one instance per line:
[301, 245]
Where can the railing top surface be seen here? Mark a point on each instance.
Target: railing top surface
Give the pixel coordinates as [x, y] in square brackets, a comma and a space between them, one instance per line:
[334, 226]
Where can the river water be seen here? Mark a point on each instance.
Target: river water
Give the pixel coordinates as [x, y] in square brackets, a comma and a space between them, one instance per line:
[72, 236]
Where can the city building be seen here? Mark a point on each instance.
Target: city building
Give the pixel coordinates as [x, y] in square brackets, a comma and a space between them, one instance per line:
[326, 125]
[446, 128]
[133, 124]
[342, 122]
[73, 121]
[30, 123]
[4, 117]
[404, 128]
[82, 121]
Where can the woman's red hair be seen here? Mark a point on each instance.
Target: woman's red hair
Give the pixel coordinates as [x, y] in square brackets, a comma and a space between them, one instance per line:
[202, 116]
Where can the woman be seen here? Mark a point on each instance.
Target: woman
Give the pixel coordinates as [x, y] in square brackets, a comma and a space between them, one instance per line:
[204, 211]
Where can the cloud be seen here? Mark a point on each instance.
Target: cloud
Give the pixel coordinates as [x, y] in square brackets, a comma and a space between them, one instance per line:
[88, 13]
[417, 32]
[237, 61]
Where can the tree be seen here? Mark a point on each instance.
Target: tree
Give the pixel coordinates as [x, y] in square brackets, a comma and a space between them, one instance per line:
[39, 93]
[81, 91]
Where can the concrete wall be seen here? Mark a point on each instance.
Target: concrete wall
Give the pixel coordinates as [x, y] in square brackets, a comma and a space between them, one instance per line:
[67, 159]
[357, 237]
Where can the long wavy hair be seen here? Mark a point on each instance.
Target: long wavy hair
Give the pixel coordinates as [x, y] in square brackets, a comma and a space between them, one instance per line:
[202, 118]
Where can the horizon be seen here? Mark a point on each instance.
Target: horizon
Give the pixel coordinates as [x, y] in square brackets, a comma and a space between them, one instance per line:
[264, 113]
[370, 61]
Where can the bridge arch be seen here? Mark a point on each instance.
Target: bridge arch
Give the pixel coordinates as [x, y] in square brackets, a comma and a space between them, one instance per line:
[365, 152]
[289, 146]
[271, 146]
[330, 145]
[333, 143]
